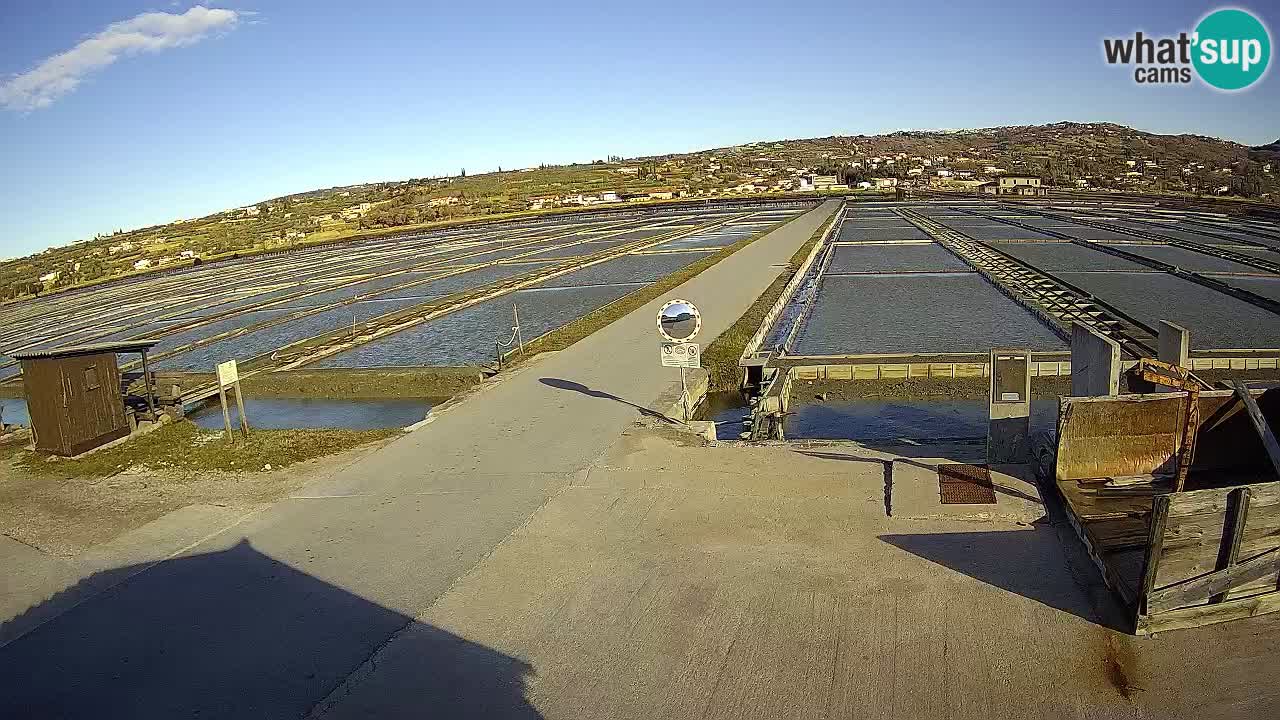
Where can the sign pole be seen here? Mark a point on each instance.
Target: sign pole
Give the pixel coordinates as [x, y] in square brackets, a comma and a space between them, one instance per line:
[515, 311]
[229, 376]
[226, 415]
[684, 396]
[244, 419]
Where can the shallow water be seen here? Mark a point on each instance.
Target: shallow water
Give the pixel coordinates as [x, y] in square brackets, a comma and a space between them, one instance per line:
[295, 413]
[13, 411]
[875, 420]
[903, 420]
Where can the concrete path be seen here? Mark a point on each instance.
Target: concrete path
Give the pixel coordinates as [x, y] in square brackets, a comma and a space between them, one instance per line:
[768, 582]
[275, 615]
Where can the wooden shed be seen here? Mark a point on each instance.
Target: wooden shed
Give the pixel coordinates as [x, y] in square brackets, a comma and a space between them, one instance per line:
[74, 395]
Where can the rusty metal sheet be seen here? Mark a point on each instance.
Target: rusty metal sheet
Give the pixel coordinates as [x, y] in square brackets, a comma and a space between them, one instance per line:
[961, 484]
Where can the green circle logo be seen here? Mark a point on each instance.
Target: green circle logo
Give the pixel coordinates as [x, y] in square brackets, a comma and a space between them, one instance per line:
[1232, 49]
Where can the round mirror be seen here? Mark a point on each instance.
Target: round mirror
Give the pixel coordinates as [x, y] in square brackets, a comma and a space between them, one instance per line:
[679, 320]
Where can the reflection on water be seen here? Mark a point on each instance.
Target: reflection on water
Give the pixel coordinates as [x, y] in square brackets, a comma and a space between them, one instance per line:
[13, 411]
[294, 413]
[727, 410]
[911, 420]
[879, 420]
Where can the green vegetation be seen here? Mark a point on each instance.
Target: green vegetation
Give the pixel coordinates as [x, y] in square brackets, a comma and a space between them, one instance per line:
[721, 356]
[430, 383]
[808, 391]
[184, 447]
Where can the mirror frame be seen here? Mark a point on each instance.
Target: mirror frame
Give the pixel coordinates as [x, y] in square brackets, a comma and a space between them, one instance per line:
[697, 318]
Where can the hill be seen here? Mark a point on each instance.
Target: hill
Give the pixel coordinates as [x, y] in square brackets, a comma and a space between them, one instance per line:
[1065, 154]
[1266, 153]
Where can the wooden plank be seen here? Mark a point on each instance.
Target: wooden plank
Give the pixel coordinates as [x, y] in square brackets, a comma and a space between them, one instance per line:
[1260, 426]
[1214, 500]
[1115, 534]
[1198, 590]
[1126, 435]
[1193, 541]
[1109, 577]
[1090, 507]
[1140, 434]
[1125, 566]
[1232, 533]
[1155, 546]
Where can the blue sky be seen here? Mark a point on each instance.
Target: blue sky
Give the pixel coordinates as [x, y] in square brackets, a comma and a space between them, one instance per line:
[209, 112]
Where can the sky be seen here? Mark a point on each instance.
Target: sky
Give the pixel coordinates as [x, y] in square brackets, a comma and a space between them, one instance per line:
[116, 114]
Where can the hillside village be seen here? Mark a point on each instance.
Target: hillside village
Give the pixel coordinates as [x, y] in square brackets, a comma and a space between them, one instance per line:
[1099, 156]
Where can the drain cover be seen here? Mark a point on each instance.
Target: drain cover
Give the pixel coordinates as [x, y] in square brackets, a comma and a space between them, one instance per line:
[965, 485]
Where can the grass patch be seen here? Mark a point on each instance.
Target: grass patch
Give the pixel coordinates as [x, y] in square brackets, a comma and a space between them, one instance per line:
[431, 383]
[571, 333]
[805, 392]
[721, 357]
[183, 446]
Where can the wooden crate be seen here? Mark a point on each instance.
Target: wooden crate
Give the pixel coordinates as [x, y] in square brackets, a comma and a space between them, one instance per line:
[1175, 560]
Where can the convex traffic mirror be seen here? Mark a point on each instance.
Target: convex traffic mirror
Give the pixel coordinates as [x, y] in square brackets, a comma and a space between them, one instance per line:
[679, 321]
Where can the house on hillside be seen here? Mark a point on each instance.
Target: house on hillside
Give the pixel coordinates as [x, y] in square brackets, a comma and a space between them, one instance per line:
[1023, 185]
[356, 211]
[823, 182]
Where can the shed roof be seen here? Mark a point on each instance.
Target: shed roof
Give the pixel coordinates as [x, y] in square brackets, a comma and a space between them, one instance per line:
[130, 346]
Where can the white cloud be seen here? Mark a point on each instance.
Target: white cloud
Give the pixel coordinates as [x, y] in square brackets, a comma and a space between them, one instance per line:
[149, 32]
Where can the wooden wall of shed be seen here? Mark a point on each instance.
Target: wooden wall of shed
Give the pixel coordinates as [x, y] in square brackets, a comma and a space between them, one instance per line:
[68, 413]
[42, 385]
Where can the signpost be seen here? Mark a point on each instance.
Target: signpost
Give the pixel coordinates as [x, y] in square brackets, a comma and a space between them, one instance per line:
[679, 321]
[681, 355]
[229, 376]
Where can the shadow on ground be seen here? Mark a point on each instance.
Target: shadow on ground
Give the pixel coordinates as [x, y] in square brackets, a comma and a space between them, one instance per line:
[1030, 563]
[237, 634]
[888, 465]
[571, 386]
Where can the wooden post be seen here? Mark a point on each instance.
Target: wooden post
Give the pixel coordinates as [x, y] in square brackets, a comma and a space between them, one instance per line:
[1259, 424]
[1232, 532]
[146, 380]
[226, 415]
[244, 418]
[229, 375]
[1155, 546]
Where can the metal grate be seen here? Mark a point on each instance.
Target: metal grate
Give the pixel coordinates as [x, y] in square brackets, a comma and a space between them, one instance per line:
[960, 484]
